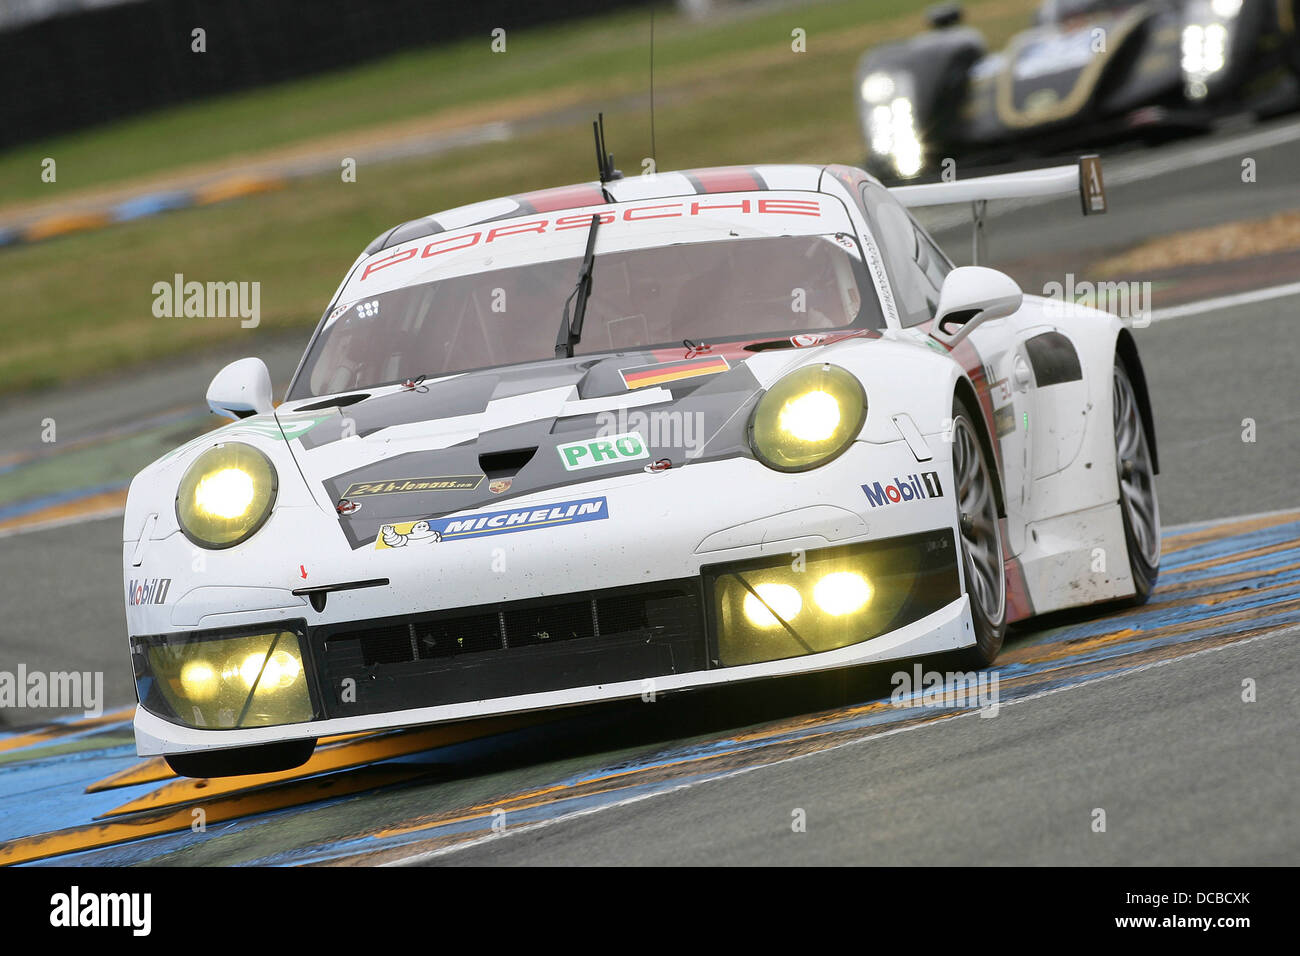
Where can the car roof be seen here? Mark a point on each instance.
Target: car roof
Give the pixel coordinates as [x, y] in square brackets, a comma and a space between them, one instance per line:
[688, 182]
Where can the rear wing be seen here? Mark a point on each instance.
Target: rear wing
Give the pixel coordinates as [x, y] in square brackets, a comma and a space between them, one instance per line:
[1084, 178]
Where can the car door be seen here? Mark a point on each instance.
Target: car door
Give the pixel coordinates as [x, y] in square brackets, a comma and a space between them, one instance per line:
[994, 355]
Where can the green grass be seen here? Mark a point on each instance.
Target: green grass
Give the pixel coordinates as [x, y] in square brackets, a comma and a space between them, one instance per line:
[731, 93]
[609, 55]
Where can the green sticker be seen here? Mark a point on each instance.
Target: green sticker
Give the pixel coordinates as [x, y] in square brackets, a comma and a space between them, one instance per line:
[609, 450]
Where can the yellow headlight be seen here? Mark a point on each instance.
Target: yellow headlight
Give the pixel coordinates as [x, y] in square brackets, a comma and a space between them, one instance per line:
[781, 598]
[812, 417]
[808, 418]
[249, 680]
[225, 495]
[842, 592]
[269, 673]
[199, 681]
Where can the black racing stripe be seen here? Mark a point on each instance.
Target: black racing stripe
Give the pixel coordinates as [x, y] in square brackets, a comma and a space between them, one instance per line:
[415, 229]
[524, 208]
[380, 241]
[1054, 359]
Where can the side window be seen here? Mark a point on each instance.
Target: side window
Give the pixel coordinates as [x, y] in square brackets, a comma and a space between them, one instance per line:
[931, 259]
[902, 244]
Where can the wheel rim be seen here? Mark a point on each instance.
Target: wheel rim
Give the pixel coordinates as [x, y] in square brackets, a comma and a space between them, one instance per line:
[1137, 483]
[980, 545]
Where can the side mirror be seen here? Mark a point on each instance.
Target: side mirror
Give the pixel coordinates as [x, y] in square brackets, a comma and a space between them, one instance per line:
[971, 295]
[241, 389]
[944, 15]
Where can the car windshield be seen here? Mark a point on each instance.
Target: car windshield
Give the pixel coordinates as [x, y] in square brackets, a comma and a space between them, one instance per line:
[734, 289]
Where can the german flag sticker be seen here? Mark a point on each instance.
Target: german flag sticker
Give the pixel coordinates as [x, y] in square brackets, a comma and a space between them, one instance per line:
[661, 374]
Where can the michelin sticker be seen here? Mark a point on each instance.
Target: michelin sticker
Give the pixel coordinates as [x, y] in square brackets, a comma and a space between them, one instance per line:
[416, 532]
[407, 533]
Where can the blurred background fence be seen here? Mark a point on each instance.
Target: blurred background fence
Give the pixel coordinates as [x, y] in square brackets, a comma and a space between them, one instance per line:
[67, 64]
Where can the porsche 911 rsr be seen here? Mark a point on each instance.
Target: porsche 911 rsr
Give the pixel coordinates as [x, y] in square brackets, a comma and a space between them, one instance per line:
[1086, 72]
[662, 432]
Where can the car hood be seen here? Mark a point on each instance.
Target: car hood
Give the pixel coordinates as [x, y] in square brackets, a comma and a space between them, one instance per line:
[479, 439]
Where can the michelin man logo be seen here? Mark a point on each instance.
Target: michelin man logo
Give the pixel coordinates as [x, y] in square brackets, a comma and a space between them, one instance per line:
[420, 533]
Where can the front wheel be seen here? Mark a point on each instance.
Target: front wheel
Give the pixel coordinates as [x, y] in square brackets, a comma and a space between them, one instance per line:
[1137, 487]
[981, 544]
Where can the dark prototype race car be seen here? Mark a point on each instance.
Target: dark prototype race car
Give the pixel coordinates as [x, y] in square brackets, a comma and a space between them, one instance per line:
[1087, 71]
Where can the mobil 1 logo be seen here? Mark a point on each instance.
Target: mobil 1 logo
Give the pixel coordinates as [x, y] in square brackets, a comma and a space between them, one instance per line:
[907, 488]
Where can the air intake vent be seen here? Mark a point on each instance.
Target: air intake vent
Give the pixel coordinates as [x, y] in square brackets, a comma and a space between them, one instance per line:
[505, 464]
[532, 646]
[339, 402]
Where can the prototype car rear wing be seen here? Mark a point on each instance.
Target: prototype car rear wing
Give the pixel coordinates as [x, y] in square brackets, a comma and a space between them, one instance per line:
[1083, 177]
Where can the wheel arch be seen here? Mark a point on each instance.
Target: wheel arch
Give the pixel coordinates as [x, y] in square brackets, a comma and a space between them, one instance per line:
[965, 393]
[1126, 351]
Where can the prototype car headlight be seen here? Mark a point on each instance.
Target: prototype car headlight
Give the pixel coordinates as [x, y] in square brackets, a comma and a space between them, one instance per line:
[1206, 40]
[889, 113]
[808, 418]
[226, 495]
[878, 88]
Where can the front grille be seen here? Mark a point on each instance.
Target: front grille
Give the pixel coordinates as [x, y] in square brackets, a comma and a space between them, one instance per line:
[558, 622]
[517, 626]
[522, 647]
[461, 635]
[386, 645]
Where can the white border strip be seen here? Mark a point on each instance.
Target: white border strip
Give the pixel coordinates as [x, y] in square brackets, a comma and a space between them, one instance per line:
[1226, 302]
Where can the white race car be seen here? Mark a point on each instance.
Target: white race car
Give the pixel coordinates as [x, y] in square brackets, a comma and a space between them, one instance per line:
[661, 432]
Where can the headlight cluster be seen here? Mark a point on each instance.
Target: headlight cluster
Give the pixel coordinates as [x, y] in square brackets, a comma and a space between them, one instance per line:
[808, 418]
[835, 594]
[226, 495]
[250, 680]
[1205, 43]
[890, 117]
[767, 610]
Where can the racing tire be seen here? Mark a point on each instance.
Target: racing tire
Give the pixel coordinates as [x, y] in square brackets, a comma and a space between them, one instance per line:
[267, 758]
[980, 539]
[1135, 470]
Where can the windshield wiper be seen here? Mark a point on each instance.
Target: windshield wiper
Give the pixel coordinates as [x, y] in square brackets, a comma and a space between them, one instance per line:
[571, 330]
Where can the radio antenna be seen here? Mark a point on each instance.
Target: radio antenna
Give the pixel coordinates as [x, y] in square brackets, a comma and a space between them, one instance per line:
[654, 156]
[604, 160]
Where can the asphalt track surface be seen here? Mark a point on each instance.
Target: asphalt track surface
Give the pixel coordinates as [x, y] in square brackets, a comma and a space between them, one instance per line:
[1138, 713]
